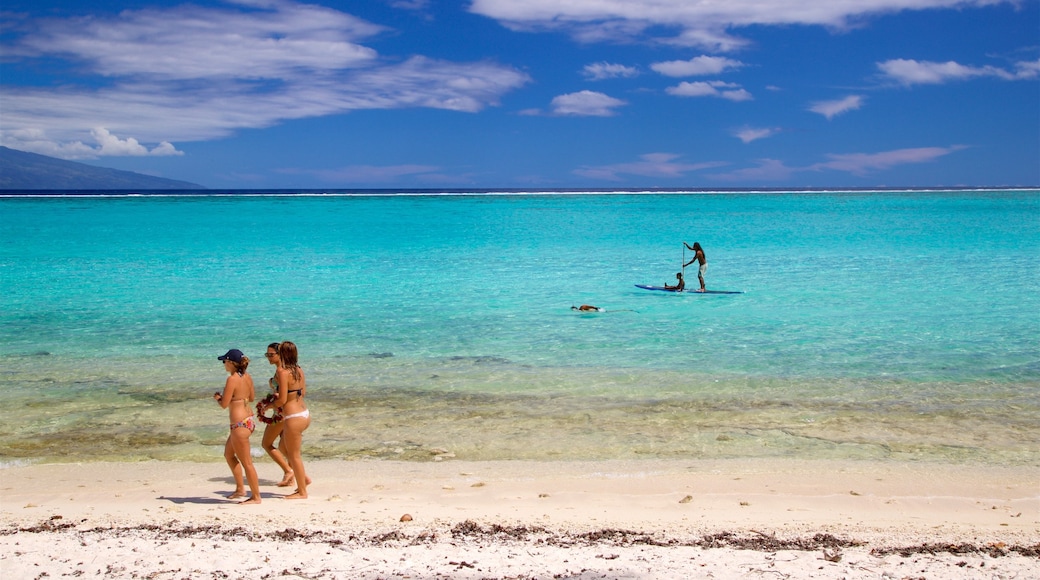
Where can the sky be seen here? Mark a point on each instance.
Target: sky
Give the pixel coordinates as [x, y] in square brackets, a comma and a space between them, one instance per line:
[530, 94]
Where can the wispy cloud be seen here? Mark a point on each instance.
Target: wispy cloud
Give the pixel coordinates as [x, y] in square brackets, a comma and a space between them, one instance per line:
[376, 175]
[831, 109]
[749, 134]
[862, 163]
[604, 70]
[371, 173]
[730, 91]
[586, 104]
[659, 165]
[272, 40]
[697, 66]
[764, 170]
[190, 73]
[859, 164]
[914, 72]
[409, 4]
[700, 23]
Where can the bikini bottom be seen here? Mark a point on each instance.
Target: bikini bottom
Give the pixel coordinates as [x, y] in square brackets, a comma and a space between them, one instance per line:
[248, 423]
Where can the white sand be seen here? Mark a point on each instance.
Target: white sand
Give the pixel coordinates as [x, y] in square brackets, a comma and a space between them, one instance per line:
[649, 519]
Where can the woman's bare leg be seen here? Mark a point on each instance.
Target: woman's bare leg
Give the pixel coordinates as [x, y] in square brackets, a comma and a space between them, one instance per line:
[290, 478]
[292, 437]
[240, 442]
[271, 433]
[236, 471]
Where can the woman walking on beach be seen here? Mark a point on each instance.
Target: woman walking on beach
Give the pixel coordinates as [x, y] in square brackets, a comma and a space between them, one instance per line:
[238, 393]
[274, 423]
[292, 388]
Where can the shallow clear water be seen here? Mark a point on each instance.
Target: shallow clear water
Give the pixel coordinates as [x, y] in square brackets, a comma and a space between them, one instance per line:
[894, 325]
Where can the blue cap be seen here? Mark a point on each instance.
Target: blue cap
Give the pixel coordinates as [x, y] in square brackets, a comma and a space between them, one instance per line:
[233, 355]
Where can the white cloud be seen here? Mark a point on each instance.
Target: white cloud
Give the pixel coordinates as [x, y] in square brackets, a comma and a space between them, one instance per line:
[737, 95]
[831, 109]
[697, 89]
[603, 70]
[190, 73]
[164, 149]
[425, 82]
[749, 134]
[862, 163]
[112, 146]
[108, 145]
[700, 65]
[719, 89]
[701, 23]
[36, 141]
[659, 165]
[280, 39]
[914, 72]
[586, 103]
[1027, 69]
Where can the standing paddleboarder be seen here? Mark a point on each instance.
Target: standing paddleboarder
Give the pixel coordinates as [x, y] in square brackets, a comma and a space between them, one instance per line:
[698, 256]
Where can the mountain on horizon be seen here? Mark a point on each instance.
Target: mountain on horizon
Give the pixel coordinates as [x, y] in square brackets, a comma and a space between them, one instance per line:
[20, 170]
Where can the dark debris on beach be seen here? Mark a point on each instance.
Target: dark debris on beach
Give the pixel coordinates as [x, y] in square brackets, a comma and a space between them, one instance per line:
[470, 531]
[993, 550]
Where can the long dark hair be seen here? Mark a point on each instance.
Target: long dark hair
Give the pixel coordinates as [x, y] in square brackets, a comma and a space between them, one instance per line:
[289, 356]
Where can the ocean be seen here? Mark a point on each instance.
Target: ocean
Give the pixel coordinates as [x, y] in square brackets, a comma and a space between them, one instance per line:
[883, 325]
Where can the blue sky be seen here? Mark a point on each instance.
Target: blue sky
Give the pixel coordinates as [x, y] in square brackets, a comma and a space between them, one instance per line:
[530, 93]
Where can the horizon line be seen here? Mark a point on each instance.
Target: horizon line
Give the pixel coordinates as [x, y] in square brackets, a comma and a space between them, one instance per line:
[490, 191]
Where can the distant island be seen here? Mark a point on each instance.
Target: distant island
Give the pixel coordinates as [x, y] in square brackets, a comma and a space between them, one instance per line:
[22, 171]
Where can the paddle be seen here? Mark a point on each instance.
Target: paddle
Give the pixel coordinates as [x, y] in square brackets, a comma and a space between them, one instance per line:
[683, 261]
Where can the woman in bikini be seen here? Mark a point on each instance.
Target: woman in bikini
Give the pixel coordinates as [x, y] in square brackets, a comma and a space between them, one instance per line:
[275, 424]
[292, 388]
[238, 393]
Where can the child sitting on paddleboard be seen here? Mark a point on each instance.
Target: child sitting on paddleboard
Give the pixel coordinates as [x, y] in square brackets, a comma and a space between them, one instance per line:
[678, 287]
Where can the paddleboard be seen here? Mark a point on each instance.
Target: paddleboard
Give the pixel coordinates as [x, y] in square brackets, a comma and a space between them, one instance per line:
[663, 289]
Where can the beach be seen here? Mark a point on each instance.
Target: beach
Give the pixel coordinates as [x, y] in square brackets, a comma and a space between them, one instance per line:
[866, 408]
[525, 519]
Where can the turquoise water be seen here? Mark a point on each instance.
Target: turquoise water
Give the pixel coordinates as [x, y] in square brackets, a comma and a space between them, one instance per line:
[885, 325]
